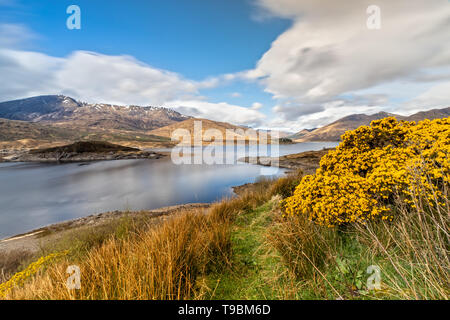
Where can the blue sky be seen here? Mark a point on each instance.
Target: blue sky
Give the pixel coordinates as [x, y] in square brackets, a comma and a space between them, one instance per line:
[287, 64]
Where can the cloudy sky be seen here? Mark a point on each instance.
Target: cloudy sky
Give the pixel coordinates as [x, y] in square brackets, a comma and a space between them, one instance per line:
[285, 64]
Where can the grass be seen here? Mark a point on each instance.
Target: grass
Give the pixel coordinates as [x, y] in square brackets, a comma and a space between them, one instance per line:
[253, 265]
[415, 247]
[166, 258]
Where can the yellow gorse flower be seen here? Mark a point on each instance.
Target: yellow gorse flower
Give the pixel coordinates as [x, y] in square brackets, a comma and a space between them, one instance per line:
[20, 277]
[359, 179]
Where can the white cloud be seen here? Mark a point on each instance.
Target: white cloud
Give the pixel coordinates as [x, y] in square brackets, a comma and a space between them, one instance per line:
[325, 66]
[329, 53]
[223, 111]
[28, 74]
[437, 96]
[256, 106]
[329, 50]
[236, 95]
[329, 112]
[14, 35]
[90, 77]
[120, 79]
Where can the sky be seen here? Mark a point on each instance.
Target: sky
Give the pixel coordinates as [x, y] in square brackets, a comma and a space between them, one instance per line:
[279, 64]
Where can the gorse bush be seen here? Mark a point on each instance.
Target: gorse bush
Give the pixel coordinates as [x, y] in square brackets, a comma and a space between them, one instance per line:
[359, 180]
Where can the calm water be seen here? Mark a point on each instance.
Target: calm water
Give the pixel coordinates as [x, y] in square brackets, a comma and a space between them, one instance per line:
[33, 195]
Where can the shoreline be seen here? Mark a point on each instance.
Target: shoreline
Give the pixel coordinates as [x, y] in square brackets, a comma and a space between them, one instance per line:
[307, 161]
[32, 240]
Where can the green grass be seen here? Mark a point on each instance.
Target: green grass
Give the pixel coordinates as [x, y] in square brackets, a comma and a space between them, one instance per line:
[256, 268]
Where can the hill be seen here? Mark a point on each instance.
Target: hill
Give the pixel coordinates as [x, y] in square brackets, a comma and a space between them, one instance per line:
[222, 127]
[300, 134]
[334, 131]
[67, 112]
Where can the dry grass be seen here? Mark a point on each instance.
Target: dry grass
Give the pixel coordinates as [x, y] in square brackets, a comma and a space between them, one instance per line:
[305, 248]
[285, 186]
[160, 262]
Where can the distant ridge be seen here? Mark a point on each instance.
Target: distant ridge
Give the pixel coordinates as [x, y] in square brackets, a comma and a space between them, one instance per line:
[334, 130]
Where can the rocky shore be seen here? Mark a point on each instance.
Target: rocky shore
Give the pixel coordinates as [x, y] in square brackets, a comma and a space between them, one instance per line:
[307, 161]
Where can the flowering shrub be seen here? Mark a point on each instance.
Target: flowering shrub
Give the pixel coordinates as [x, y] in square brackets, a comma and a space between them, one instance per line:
[359, 179]
[20, 277]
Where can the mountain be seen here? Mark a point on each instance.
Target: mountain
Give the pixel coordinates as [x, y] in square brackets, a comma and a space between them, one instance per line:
[334, 131]
[431, 114]
[189, 125]
[67, 112]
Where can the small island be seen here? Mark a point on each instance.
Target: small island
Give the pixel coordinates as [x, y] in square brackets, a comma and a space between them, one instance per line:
[82, 151]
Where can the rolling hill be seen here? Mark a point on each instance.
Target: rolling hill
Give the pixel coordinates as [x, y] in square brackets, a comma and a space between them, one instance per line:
[334, 131]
